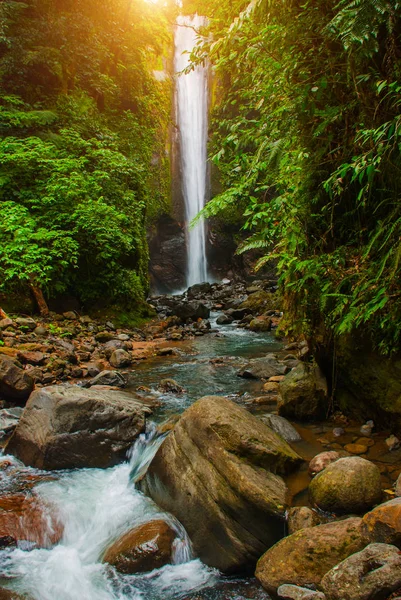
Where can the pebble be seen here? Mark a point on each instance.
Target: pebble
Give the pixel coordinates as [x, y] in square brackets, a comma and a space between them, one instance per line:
[393, 443]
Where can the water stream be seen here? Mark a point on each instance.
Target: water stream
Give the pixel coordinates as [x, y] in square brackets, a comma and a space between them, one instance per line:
[192, 117]
[96, 506]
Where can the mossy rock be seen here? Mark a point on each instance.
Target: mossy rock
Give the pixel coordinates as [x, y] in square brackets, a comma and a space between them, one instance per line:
[303, 393]
[260, 302]
[348, 485]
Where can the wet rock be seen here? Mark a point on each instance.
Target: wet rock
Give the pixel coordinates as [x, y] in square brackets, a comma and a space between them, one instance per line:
[224, 320]
[15, 383]
[69, 315]
[303, 393]
[356, 448]
[142, 549]
[112, 345]
[218, 473]
[9, 418]
[107, 378]
[261, 323]
[271, 387]
[348, 485]
[294, 592]
[321, 461]
[393, 443]
[190, 310]
[10, 595]
[263, 368]
[282, 427]
[383, 523]
[166, 351]
[366, 429]
[199, 289]
[120, 358]
[371, 574]
[27, 323]
[237, 313]
[65, 427]
[304, 557]
[338, 431]
[170, 386]
[300, 517]
[27, 517]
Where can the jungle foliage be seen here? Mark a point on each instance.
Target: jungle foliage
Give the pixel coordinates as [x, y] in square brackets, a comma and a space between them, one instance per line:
[307, 136]
[83, 127]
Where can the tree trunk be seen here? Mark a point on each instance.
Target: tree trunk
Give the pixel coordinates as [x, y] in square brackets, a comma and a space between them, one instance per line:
[40, 299]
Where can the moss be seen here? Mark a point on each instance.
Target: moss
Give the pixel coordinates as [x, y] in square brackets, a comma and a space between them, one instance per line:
[134, 315]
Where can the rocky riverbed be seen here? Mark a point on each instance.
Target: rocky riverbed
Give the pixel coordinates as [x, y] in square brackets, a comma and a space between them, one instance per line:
[308, 504]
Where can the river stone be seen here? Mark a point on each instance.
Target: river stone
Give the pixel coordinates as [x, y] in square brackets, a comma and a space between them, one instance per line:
[371, 574]
[294, 592]
[398, 486]
[142, 549]
[303, 393]
[15, 383]
[120, 358]
[224, 320]
[113, 378]
[321, 461]
[261, 323]
[261, 301]
[26, 323]
[282, 427]
[348, 485]
[263, 368]
[66, 426]
[304, 557]
[300, 517]
[218, 473]
[383, 523]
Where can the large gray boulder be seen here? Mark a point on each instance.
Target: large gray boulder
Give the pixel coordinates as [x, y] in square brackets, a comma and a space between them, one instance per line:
[263, 368]
[66, 426]
[15, 383]
[218, 472]
[303, 393]
[372, 574]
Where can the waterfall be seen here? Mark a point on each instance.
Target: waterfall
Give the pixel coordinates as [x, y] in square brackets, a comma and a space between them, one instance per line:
[192, 114]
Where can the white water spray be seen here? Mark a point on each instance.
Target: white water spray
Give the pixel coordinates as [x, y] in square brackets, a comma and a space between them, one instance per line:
[192, 114]
[96, 506]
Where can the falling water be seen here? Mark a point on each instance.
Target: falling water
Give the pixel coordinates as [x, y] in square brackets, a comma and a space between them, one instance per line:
[192, 113]
[96, 506]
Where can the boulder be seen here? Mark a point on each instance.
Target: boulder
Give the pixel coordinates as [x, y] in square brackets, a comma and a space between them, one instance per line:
[144, 548]
[383, 523]
[294, 592]
[66, 426]
[348, 485]
[398, 486]
[303, 393]
[304, 557]
[371, 574]
[170, 386]
[261, 323]
[282, 427]
[4, 323]
[321, 461]
[108, 378]
[120, 358]
[260, 302]
[263, 368]
[218, 472]
[9, 418]
[224, 320]
[27, 517]
[15, 383]
[300, 517]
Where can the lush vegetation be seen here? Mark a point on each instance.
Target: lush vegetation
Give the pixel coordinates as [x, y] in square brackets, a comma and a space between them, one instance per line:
[83, 129]
[307, 138]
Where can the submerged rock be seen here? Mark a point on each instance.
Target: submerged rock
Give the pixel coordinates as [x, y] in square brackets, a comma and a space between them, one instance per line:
[65, 426]
[303, 393]
[371, 574]
[348, 485]
[15, 383]
[218, 473]
[144, 548]
[304, 557]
